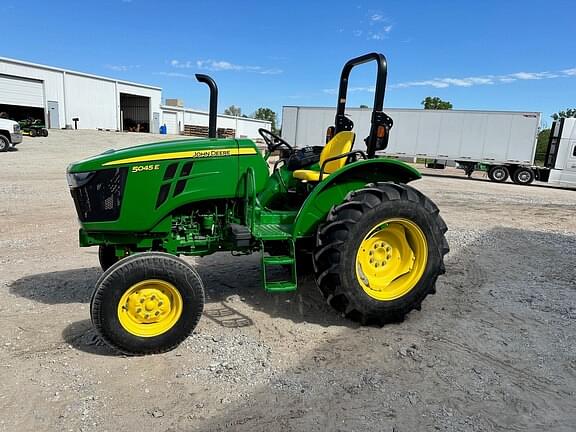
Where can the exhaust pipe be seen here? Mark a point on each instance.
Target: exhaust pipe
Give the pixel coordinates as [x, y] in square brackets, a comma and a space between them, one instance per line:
[213, 103]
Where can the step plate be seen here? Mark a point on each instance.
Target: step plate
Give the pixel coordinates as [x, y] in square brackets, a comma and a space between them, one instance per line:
[273, 232]
[280, 286]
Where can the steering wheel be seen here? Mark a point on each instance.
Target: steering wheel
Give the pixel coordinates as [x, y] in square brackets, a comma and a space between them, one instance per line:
[272, 140]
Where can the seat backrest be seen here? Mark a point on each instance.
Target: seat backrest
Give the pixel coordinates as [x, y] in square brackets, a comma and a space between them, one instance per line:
[341, 143]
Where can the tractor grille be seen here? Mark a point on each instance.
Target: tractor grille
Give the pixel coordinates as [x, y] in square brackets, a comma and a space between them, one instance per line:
[101, 198]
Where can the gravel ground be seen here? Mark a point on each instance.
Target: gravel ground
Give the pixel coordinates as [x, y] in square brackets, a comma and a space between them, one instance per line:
[493, 350]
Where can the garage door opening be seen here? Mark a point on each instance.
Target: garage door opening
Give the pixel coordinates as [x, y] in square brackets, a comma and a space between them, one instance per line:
[18, 113]
[134, 113]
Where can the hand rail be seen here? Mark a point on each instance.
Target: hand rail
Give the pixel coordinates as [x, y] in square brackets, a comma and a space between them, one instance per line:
[250, 201]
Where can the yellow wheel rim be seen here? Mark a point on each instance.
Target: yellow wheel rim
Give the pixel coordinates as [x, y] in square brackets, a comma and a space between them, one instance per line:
[150, 308]
[391, 259]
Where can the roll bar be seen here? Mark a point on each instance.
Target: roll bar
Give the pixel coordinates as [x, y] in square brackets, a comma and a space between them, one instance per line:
[381, 123]
[213, 102]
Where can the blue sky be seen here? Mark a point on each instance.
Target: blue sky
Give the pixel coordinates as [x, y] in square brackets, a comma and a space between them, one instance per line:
[495, 55]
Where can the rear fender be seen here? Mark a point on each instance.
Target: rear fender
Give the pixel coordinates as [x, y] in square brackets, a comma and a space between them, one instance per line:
[333, 189]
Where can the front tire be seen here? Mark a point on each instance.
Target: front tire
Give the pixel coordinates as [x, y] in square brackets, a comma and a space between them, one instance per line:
[147, 303]
[4, 143]
[380, 252]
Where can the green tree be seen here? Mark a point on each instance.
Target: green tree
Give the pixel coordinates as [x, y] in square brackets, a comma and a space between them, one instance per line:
[543, 138]
[568, 112]
[233, 110]
[364, 106]
[435, 103]
[266, 114]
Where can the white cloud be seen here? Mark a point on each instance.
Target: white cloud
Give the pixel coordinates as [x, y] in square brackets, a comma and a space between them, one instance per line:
[183, 65]
[376, 17]
[351, 90]
[176, 75]
[222, 65]
[121, 68]
[470, 81]
[486, 79]
[382, 34]
[533, 75]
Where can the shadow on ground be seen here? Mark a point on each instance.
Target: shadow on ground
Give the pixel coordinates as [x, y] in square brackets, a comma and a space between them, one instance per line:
[67, 286]
[232, 286]
[487, 353]
[81, 336]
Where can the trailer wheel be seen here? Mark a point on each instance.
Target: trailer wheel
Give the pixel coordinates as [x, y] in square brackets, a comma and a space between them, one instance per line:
[33, 132]
[380, 252]
[147, 303]
[523, 176]
[498, 173]
[4, 143]
[107, 256]
[44, 133]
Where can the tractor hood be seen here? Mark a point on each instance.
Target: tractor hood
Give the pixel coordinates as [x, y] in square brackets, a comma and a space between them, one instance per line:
[135, 189]
[159, 151]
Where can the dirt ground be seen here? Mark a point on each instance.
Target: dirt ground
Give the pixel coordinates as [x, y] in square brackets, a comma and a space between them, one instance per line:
[493, 350]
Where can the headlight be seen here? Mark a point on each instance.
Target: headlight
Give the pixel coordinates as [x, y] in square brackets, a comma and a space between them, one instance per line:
[16, 128]
[76, 180]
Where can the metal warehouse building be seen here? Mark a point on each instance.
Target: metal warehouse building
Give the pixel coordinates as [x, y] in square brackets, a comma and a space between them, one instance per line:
[58, 96]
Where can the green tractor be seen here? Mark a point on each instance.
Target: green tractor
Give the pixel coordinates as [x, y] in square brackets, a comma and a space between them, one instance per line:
[33, 127]
[376, 244]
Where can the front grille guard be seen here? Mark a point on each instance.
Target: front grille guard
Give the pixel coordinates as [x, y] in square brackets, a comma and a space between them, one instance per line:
[100, 199]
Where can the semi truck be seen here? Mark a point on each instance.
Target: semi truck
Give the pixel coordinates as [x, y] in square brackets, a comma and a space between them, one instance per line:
[503, 143]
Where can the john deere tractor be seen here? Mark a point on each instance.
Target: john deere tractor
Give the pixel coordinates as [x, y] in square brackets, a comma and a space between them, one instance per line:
[376, 244]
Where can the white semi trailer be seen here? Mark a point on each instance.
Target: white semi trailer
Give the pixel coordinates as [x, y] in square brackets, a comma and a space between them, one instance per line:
[502, 142]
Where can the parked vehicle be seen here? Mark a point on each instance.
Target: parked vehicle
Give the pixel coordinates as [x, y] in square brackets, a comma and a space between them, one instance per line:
[10, 134]
[377, 245]
[33, 127]
[502, 143]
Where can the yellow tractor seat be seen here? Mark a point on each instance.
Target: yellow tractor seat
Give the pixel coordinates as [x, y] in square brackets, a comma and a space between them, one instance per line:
[341, 143]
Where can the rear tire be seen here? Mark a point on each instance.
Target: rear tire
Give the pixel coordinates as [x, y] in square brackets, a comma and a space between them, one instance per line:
[523, 176]
[44, 133]
[386, 209]
[498, 173]
[147, 303]
[107, 256]
[4, 143]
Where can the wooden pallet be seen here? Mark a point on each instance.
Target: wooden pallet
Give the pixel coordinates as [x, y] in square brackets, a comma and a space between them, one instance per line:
[202, 131]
